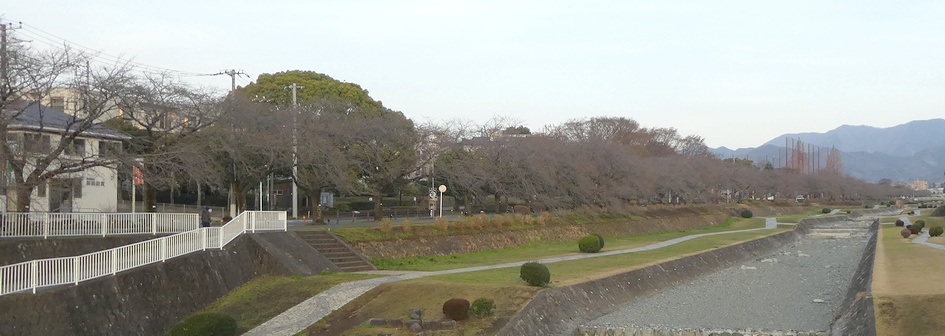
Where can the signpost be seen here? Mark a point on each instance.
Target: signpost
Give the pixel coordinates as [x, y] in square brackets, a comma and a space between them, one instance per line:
[442, 190]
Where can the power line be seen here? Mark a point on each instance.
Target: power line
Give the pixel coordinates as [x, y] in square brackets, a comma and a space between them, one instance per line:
[53, 40]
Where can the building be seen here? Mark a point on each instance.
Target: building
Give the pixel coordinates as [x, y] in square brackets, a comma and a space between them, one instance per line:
[920, 185]
[37, 130]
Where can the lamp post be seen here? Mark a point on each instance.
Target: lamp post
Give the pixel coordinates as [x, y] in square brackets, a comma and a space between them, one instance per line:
[442, 190]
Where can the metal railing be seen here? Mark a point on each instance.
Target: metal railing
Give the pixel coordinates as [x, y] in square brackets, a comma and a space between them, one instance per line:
[41, 224]
[35, 274]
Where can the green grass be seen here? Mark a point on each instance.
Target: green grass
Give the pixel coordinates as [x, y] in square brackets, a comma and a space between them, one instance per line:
[267, 296]
[550, 249]
[566, 272]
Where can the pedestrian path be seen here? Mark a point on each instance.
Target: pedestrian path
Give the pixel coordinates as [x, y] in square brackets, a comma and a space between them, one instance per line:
[317, 307]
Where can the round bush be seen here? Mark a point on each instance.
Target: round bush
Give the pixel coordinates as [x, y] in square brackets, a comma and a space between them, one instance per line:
[601, 238]
[920, 223]
[905, 233]
[535, 274]
[826, 210]
[915, 229]
[205, 324]
[939, 211]
[482, 307]
[747, 214]
[456, 309]
[936, 231]
[589, 244]
[899, 222]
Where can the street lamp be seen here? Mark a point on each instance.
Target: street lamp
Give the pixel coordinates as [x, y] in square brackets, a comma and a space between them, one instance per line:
[442, 190]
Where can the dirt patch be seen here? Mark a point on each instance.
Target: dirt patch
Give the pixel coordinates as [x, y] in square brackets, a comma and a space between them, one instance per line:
[937, 240]
[909, 314]
[392, 301]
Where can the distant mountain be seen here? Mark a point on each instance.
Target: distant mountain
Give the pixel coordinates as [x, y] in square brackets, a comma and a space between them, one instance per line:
[907, 152]
[902, 140]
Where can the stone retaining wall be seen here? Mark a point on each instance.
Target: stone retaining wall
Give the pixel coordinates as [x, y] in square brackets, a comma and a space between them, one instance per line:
[142, 301]
[559, 311]
[16, 250]
[856, 315]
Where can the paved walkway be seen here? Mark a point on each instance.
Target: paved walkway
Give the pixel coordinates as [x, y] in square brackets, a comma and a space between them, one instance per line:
[924, 237]
[317, 307]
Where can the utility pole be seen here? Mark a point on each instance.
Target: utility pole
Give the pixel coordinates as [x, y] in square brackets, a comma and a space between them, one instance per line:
[295, 148]
[231, 196]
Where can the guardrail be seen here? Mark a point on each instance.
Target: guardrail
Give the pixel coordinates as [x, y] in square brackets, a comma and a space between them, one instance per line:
[40, 224]
[35, 274]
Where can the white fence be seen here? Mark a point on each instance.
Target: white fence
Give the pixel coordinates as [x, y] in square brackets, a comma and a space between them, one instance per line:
[41, 224]
[35, 274]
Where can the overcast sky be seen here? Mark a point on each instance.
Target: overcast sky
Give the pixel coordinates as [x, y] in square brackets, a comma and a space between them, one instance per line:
[738, 73]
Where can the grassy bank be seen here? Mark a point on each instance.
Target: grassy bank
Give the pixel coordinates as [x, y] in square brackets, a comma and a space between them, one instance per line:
[907, 297]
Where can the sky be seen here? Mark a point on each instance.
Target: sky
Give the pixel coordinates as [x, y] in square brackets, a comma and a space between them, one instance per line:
[738, 73]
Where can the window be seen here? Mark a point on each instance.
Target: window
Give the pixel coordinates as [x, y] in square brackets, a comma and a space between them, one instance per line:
[278, 192]
[57, 103]
[77, 148]
[91, 181]
[108, 148]
[36, 143]
[77, 187]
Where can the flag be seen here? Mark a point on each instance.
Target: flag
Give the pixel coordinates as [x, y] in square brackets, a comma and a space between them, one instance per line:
[138, 176]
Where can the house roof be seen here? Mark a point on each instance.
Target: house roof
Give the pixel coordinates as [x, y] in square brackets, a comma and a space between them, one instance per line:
[36, 117]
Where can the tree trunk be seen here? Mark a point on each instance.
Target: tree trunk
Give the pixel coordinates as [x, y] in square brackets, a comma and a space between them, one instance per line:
[378, 214]
[239, 198]
[19, 198]
[149, 193]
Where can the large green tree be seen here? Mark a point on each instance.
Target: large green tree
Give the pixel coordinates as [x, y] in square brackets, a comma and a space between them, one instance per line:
[273, 88]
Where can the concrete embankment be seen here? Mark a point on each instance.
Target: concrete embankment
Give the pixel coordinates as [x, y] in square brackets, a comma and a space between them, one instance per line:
[142, 301]
[559, 311]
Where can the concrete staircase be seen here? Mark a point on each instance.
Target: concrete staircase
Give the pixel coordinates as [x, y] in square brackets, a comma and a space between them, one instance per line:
[845, 229]
[339, 253]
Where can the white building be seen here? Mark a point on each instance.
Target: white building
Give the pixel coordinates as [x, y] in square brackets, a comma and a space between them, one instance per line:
[36, 131]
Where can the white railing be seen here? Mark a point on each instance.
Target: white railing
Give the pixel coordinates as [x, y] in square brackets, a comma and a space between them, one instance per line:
[35, 274]
[40, 224]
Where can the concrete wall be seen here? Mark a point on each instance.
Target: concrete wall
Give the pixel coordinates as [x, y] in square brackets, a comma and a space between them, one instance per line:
[143, 301]
[559, 311]
[19, 250]
[856, 315]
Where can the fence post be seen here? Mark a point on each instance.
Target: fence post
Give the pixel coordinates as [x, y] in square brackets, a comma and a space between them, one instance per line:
[153, 223]
[203, 238]
[163, 249]
[75, 273]
[220, 235]
[34, 275]
[45, 226]
[114, 261]
[252, 223]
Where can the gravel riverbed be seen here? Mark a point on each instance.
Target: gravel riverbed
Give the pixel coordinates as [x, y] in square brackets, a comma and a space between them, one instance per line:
[799, 287]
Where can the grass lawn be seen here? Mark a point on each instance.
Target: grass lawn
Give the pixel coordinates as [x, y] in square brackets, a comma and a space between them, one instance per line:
[267, 296]
[550, 249]
[570, 272]
[510, 293]
[908, 297]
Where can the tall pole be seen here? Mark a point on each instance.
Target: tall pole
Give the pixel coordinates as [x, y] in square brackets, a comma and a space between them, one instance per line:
[295, 150]
[231, 196]
[3, 59]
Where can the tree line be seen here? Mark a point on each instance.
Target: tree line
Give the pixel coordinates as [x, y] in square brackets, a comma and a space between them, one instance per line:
[341, 140]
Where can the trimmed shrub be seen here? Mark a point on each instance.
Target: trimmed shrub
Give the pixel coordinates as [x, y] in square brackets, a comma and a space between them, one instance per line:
[205, 324]
[920, 223]
[936, 231]
[601, 238]
[521, 209]
[386, 225]
[589, 244]
[535, 274]
[939, 212]
[456, 309]
[905, 233]
[826, 210]
[899, 222]
[747, 214]
[915, 229]
[482, 307]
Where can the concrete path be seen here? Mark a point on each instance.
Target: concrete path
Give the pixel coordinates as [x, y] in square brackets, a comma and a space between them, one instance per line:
[317, 307]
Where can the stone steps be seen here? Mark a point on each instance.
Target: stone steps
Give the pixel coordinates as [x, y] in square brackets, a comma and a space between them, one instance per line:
[337, 252]
[838, 230]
